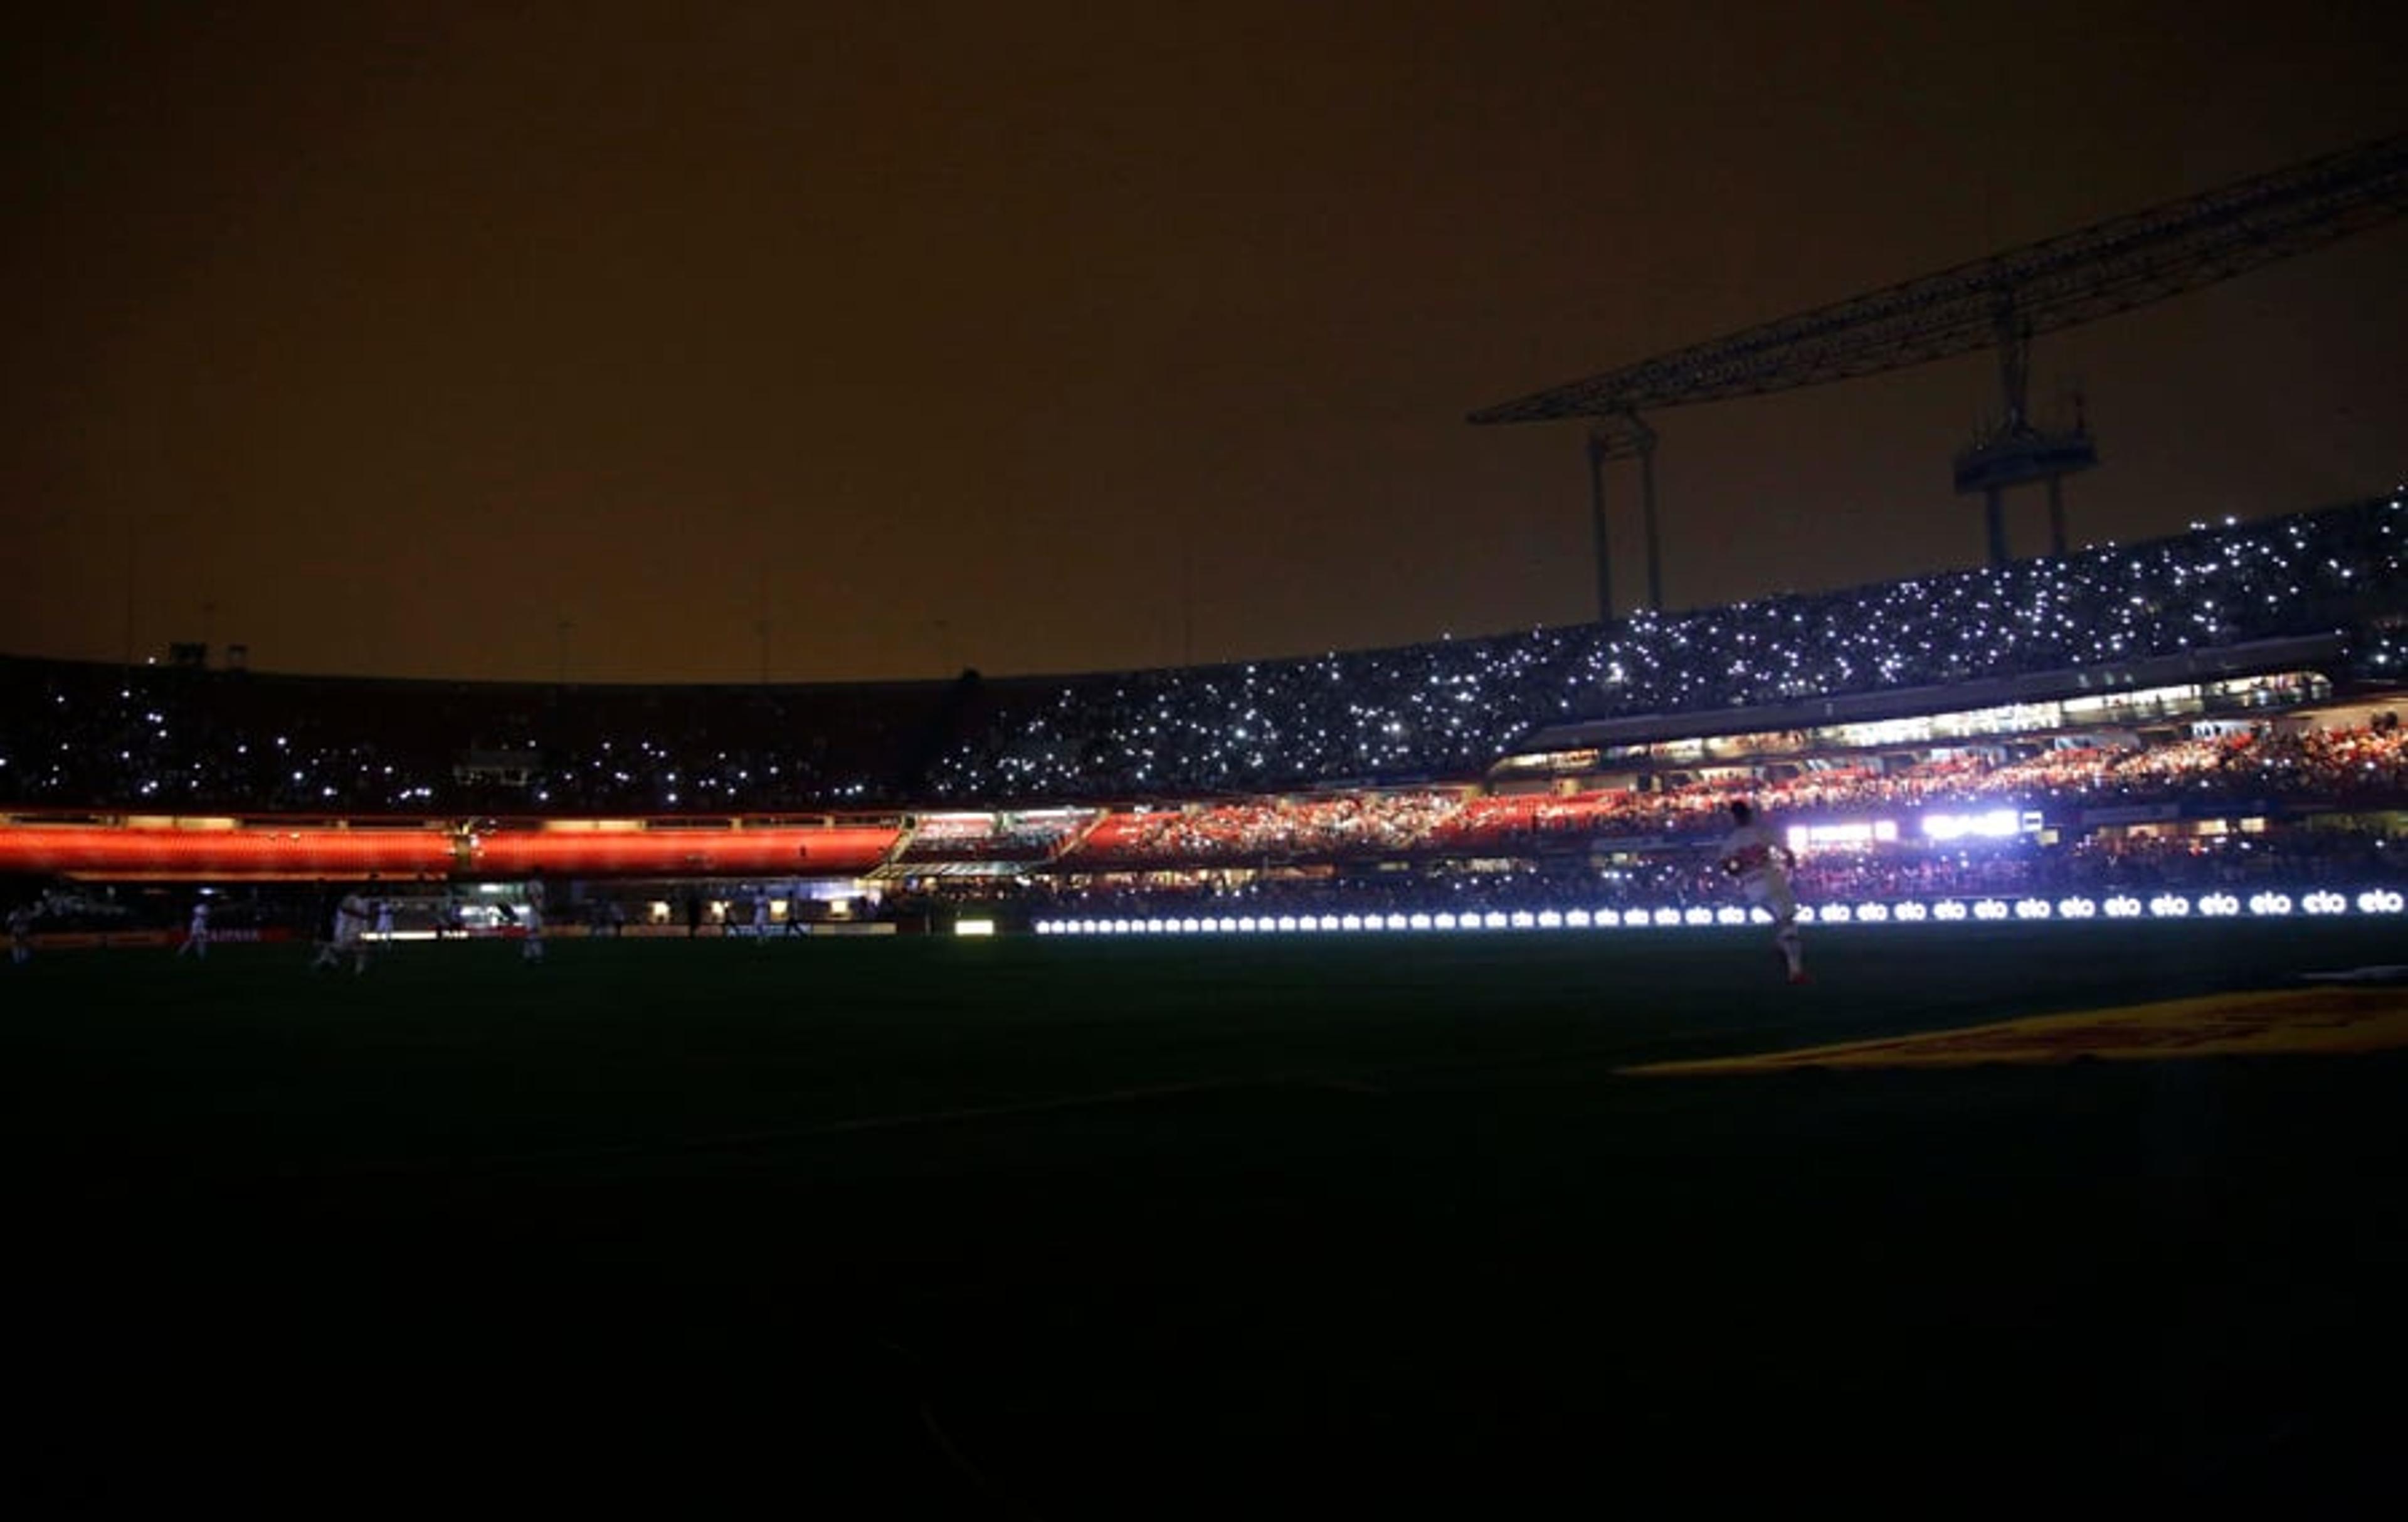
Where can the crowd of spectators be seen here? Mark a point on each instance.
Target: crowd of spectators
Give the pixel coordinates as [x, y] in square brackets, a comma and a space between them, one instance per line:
[2333, 859]
[163, 738]
[1353, 824]
[1447, 709]
[994, 838]
[2333, 769]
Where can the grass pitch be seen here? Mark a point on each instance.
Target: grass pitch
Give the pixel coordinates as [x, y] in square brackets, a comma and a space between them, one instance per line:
[1055, 1228]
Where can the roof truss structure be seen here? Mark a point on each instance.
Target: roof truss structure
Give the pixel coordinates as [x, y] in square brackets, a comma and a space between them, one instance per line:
[2058, 283]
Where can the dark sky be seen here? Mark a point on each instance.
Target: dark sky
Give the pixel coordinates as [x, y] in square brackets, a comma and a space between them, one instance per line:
[386, 337]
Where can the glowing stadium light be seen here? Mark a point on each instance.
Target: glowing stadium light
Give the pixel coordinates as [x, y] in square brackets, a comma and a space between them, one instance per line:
[1668, 916]
[2170, 906]
[1246, 924]
[1802, 838]
[1913, 913]
[1443, 921]
[1729, 916]
[1494, 919]
[1605, 919]
[1991, 823]
[1522, 919]
[1577, 919]
[2123, 907]
[2076, 909]
[2219, 905]
[1329, 922]
[1550, 920]
[2270, 903]
[1351, 922]
[2325, 902]
[2381, 901]
[2031, 908]
[1422, 922]
[1154, 927]
[1698, 916]
[1468, 922]
[1990, 909]
[1399, 922]
[1873, 913]
[1286, 922]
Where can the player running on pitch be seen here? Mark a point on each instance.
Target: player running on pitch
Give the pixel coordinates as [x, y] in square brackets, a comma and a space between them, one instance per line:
[1754, 855]
[345, 934]
[196, 935]
[531, 915]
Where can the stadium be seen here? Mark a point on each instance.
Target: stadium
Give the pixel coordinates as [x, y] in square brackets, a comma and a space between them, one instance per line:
[1333, 1081]
[2204, 720]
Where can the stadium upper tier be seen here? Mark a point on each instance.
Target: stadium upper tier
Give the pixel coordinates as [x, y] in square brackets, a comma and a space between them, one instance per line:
[1447, 710]
[153, 740]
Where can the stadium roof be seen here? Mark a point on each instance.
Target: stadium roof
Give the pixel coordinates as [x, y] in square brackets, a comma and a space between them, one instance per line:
[2075, 278]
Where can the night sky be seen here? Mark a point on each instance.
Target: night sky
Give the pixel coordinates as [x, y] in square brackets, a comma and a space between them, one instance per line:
[388, 338]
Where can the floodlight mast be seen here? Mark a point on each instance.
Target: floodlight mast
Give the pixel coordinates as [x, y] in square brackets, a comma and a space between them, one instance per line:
[1618, 439]
[2016, 451]
[2002, 302]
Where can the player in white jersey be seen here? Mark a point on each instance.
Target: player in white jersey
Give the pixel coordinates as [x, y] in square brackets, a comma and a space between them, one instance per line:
[1757, 856]
[351, 922]
[196, 935]
[347, 935]
[531, 949]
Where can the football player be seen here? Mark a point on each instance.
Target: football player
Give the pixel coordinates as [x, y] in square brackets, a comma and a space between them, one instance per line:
[1755, 855]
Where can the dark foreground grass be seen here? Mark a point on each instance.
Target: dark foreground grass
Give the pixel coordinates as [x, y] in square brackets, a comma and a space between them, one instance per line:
[1079, 1229]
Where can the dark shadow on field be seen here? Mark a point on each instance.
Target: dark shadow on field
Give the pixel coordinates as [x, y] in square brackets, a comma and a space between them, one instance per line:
[1462, 1264]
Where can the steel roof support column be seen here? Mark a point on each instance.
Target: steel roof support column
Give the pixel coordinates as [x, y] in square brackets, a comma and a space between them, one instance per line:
[1646, 438]
[1599, 450]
